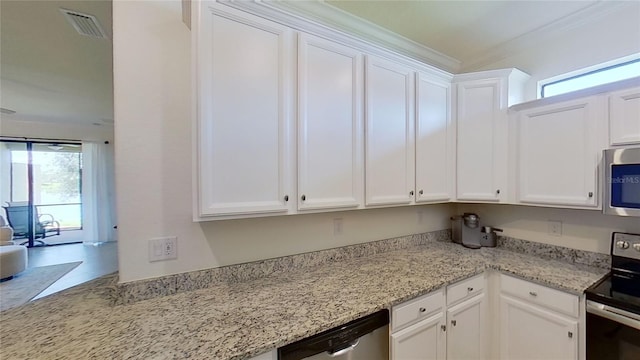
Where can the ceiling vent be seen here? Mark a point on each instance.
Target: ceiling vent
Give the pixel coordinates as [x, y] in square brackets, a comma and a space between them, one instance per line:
[84, 24]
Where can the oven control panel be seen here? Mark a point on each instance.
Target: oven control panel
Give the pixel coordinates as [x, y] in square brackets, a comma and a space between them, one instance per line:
[626, 245]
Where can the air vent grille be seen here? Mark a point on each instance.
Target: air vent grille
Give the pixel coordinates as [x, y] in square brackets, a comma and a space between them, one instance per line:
[85, 24]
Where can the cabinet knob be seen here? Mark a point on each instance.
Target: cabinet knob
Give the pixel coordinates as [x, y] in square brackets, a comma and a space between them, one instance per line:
[469, 289]
[453, 323]
[570, 334]
[420, 192]
[422, 309]
[590, 194]
[498, 191]
[533, 293]
[443, 327]
[303, 197]
[286, 198]
[411, 192]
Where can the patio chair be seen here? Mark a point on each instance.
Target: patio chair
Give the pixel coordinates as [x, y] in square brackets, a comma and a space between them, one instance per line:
[44, 224]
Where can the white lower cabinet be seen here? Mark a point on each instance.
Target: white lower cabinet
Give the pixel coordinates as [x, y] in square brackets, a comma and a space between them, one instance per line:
[455, 333]
[537, 322]
[418, 328]
[531, 332]
[465, 335]
[421, 341]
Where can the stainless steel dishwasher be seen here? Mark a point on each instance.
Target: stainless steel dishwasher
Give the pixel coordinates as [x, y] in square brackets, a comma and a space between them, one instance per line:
[366, 338]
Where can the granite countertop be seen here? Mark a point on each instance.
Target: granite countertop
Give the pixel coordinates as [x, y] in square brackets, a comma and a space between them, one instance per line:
[240, 320]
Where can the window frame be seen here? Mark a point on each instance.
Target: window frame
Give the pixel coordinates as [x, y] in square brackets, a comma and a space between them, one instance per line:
[613, 64]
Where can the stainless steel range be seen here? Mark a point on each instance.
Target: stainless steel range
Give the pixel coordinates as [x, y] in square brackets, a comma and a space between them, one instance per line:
[613, 304]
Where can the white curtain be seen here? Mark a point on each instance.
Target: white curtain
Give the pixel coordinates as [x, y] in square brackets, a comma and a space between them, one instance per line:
[98, 193]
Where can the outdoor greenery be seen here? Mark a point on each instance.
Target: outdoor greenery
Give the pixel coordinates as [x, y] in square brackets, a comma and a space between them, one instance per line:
[59, 176]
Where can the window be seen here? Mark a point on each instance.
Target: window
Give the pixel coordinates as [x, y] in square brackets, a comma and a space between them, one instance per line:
[46, 177]
[609, 72]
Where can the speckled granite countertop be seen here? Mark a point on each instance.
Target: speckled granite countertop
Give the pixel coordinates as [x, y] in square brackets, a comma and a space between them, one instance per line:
[236, 321]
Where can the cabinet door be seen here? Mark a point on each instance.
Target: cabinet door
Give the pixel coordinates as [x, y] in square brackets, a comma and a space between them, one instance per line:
[466, 338]
[330, 128]
[558, 150]
[422, 341]
[389, 156]
[481, 140]
[624, 117]
[435, 146]
[243, 83]
[530, 332]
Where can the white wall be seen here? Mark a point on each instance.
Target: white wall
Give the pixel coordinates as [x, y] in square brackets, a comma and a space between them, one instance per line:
[581, 229]
[606, 36]
[153, 165]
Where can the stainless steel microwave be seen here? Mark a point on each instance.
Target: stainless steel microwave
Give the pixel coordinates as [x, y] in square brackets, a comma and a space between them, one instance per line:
[622, 181]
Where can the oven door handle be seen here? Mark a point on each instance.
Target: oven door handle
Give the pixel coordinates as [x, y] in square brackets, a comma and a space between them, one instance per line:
[614, 314]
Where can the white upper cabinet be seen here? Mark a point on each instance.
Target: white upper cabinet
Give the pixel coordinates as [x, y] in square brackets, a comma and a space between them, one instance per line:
[435, 140]
[482, 144]
[389, 133]
[624, 117]
[558, 149]
[243, 86]
[330, 125]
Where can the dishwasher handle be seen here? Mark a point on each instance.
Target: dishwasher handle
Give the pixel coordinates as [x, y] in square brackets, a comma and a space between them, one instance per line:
[339, 340]
[345, 350]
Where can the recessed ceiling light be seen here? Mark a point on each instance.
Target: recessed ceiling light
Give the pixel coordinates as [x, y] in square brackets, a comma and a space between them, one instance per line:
[7, 111]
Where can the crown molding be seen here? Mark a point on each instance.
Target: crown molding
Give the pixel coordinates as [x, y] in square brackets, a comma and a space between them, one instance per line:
[527, 40]
[334, 18]
[489, 74]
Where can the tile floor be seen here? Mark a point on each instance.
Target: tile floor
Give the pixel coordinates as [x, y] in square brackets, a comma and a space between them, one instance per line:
[97, 260]
[65, 237]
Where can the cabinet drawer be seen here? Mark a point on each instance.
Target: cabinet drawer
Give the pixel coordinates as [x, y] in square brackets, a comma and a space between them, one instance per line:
[416, 309]
[552, 299]
[465, 289]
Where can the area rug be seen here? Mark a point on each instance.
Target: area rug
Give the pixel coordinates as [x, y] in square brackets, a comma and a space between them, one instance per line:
[31, 282]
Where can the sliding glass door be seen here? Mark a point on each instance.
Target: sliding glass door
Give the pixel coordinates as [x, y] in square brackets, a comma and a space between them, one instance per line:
[14, 188]
[41, 188]
[57, 183]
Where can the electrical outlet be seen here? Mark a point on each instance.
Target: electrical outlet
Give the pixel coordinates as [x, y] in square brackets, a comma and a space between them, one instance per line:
[555, 228]
[165, 248]
[421, 217]
[337, 226]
